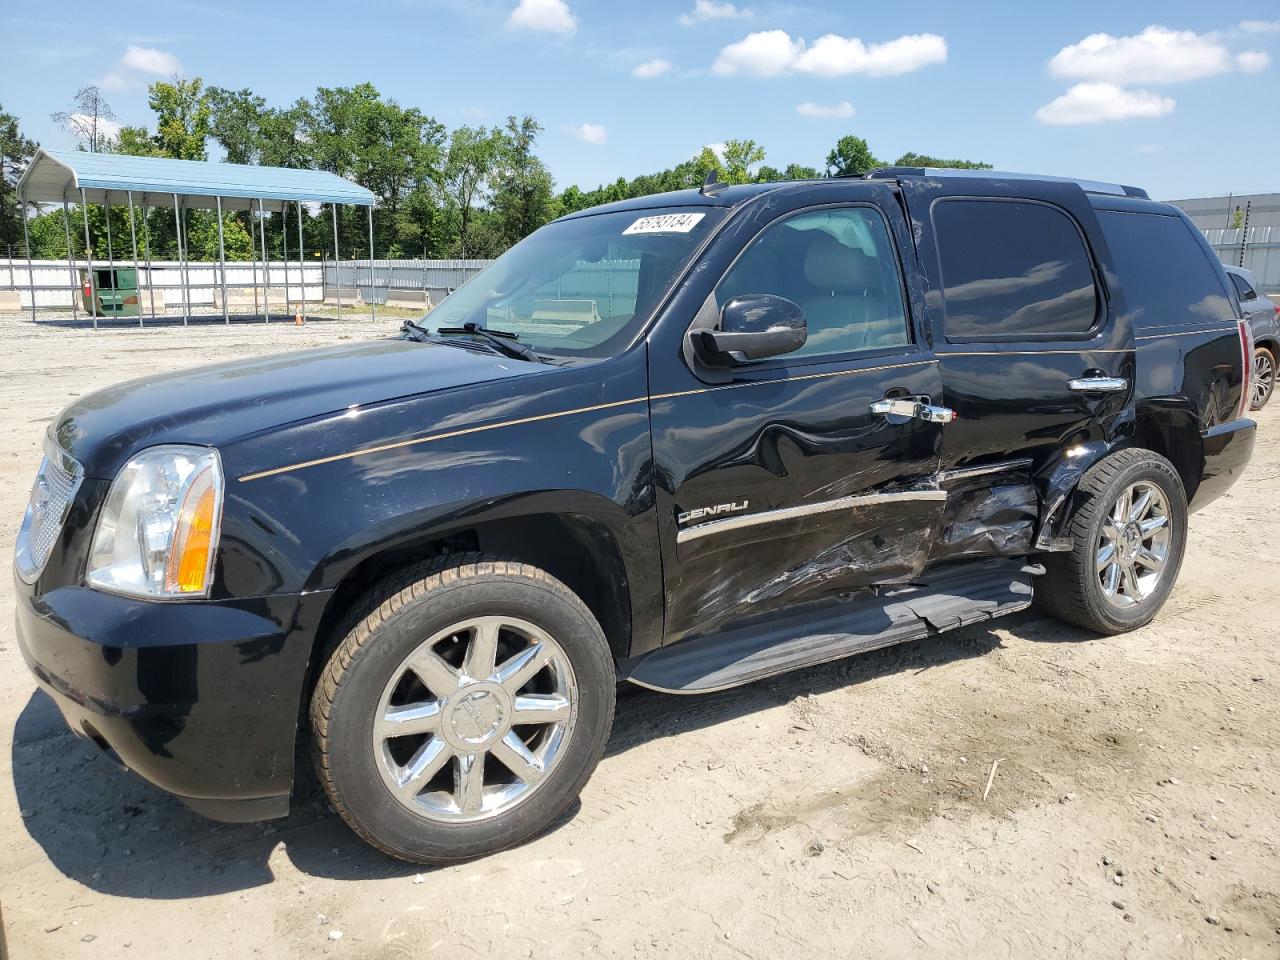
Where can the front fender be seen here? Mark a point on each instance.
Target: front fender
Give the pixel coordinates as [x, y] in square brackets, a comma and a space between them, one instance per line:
[309, 503]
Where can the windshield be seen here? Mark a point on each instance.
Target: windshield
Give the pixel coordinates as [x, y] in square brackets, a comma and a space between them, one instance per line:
[582, 287]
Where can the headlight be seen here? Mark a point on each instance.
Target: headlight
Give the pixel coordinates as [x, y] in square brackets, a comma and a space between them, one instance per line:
[158, 532]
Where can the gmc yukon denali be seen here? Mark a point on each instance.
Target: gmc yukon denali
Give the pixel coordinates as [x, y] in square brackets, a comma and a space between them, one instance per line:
[685, 441]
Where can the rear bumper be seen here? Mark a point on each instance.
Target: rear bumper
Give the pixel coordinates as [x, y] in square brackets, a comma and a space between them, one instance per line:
[200, 699]
[1227, 448]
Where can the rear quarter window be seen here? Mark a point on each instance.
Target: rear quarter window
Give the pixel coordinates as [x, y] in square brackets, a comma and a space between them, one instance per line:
[1165, 274]
[1013, 270]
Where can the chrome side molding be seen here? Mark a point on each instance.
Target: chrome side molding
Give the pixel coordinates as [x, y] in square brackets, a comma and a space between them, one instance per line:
[804, 510]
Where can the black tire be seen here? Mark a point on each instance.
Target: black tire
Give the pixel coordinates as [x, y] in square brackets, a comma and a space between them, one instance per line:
[1262, 390]
[1070, 589]
[416, 604]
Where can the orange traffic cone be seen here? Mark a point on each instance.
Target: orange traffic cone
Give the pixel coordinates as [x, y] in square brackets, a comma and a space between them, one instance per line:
[297, 317]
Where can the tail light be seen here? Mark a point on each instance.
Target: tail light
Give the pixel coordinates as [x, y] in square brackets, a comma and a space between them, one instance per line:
[1246, 354]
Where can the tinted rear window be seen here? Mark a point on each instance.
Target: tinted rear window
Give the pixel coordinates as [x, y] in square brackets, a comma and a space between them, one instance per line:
[1166, 276]
[1012, 270]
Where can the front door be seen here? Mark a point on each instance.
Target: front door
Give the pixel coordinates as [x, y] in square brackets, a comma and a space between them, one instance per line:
[780, 485]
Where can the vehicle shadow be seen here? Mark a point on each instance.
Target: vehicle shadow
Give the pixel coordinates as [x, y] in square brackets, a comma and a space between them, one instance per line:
[109, 830]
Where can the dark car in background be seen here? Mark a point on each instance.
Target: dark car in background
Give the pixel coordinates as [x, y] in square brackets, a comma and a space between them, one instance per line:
[1263, 315]
[687, 441]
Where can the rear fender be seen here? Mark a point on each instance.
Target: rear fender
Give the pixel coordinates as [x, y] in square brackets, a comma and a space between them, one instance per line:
[1057, 481]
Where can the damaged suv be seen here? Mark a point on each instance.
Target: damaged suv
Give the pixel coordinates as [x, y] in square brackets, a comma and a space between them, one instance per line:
[686, 441]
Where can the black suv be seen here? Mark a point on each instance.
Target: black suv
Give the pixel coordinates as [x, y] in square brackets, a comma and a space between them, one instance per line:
[688, 441]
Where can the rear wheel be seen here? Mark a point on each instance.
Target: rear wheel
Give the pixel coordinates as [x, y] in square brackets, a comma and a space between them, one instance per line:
[1129, 533]
[1264, 377]
[465, 713]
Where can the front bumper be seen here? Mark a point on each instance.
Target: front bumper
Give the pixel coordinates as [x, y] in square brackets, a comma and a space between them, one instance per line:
[201, 699]
[1227, 448]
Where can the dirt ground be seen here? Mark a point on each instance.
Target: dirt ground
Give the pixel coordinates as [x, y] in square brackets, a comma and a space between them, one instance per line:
[837, 811]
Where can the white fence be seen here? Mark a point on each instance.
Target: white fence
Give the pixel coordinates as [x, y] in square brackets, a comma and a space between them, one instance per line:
[56, 284]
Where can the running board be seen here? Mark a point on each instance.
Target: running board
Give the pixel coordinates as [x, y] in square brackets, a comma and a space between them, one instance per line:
[938, 600]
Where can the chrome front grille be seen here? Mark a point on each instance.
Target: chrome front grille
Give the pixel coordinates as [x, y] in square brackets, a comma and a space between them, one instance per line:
[56, 484]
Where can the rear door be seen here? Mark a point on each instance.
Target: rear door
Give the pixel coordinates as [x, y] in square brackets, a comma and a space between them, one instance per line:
[1035, 354]
[777, 482]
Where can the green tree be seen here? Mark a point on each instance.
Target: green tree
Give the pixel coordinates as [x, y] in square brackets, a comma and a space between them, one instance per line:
[238, 123]
[183, 116]
[924, 160]
[851, 157]
[470, 166]
[796, 171]
[739, 157]
[134, 142]
[392, 150]
[523, 198]
[15, 153]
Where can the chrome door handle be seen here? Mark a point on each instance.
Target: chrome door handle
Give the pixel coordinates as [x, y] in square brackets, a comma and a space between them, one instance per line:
[913, 409]
[1099, 384]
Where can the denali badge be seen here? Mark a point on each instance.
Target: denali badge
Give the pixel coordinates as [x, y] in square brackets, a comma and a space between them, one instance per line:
[706, 513]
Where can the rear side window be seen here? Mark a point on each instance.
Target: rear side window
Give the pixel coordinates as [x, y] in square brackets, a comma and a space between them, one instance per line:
[1242, 287]
[1012, 270]
[1166, 276]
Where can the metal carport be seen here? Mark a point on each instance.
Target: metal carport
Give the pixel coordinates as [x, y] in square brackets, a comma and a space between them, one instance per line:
[104, 178]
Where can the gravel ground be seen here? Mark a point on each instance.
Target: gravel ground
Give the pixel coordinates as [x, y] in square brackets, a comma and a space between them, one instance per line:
[835, 811]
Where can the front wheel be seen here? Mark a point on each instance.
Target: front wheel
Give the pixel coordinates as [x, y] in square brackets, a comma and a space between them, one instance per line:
[1129, 532]
[1264, 377]
[465, 713]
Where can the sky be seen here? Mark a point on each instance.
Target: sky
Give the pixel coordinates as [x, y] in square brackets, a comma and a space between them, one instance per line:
[1177, 97]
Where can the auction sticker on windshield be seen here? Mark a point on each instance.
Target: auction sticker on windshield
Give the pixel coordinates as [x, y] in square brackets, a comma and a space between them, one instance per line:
[666, 223]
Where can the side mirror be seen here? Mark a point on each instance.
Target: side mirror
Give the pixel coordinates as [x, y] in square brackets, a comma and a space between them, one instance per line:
[752, 328]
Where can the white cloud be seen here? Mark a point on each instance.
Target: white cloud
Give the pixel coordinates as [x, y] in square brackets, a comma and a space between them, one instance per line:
[108, 129]
[546, 16]
[1260, 26]
[1156, 55]
[652, 68]
[766, 54]
[1103, 102]
[836, 56]
[1253, 61]
[704, 10]
[810, 109]
[150, 60]
[769, 53]
[114, 81]
[593, 133]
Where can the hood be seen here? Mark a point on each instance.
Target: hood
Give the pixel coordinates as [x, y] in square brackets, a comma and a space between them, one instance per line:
[216, 404]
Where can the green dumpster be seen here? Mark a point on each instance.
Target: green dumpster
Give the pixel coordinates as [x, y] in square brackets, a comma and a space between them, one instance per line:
[103, 298]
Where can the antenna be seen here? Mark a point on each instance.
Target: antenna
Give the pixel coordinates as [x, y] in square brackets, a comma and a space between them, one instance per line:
[712, 186]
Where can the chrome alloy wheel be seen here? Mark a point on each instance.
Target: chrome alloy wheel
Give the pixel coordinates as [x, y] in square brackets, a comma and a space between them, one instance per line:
[1264, 378]
[1134, 545]
[474, 719]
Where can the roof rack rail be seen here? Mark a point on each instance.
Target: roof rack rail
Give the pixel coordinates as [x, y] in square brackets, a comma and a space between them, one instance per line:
[1089, 186]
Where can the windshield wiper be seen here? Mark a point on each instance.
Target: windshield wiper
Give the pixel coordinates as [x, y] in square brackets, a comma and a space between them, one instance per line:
[504, 342]
[415, 332]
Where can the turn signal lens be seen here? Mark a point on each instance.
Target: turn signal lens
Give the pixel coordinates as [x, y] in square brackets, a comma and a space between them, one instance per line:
[188, 565]
[157, 535]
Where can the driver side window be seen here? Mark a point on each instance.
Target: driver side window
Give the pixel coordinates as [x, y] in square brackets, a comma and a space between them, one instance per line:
[839, 266]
